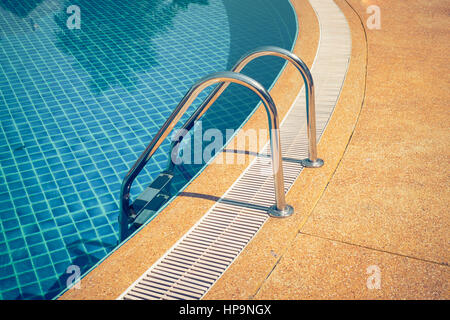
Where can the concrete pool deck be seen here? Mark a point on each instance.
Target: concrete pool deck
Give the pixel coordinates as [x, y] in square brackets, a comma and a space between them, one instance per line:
[380, 200]
[385, 208]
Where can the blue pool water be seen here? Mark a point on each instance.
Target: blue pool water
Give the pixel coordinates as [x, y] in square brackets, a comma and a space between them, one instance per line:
[77, 107]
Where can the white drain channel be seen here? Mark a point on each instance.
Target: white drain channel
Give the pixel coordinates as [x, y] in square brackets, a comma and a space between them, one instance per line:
[191, 267]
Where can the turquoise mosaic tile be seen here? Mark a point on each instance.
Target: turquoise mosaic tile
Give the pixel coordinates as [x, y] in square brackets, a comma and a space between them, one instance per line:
[77, 108]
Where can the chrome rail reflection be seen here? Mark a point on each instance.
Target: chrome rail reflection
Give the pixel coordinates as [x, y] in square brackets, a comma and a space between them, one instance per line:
[312, 161]
[280, 209]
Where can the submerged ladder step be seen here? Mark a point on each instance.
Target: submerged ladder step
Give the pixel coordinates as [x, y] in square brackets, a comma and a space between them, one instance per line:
[152, 199]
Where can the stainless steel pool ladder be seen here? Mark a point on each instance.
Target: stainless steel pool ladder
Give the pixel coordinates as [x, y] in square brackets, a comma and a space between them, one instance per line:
[280, 209]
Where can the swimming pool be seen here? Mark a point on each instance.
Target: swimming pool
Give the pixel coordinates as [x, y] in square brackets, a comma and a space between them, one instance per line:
[79, 106]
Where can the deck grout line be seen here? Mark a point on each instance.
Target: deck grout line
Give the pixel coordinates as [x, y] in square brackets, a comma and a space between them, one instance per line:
[374, 249]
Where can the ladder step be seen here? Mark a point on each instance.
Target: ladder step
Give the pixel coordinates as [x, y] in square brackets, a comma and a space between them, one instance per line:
[152, 199]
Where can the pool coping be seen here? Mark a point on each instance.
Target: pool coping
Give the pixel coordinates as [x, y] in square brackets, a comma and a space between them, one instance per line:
[123, 266]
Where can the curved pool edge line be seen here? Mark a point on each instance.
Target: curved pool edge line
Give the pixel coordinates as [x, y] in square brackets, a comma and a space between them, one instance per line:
[275, 237]
[288, 76]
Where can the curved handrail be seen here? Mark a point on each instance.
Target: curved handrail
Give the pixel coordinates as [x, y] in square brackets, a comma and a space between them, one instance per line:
[280, 209]
[312, 161]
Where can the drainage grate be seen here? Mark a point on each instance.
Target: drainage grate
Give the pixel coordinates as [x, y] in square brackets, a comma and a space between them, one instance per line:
[190, 268]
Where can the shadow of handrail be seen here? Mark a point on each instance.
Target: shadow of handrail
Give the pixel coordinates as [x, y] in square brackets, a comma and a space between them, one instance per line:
[261, 155]
[223, 200]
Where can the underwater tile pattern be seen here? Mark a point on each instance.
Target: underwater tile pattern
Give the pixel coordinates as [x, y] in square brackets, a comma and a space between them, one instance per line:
[77, 107]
